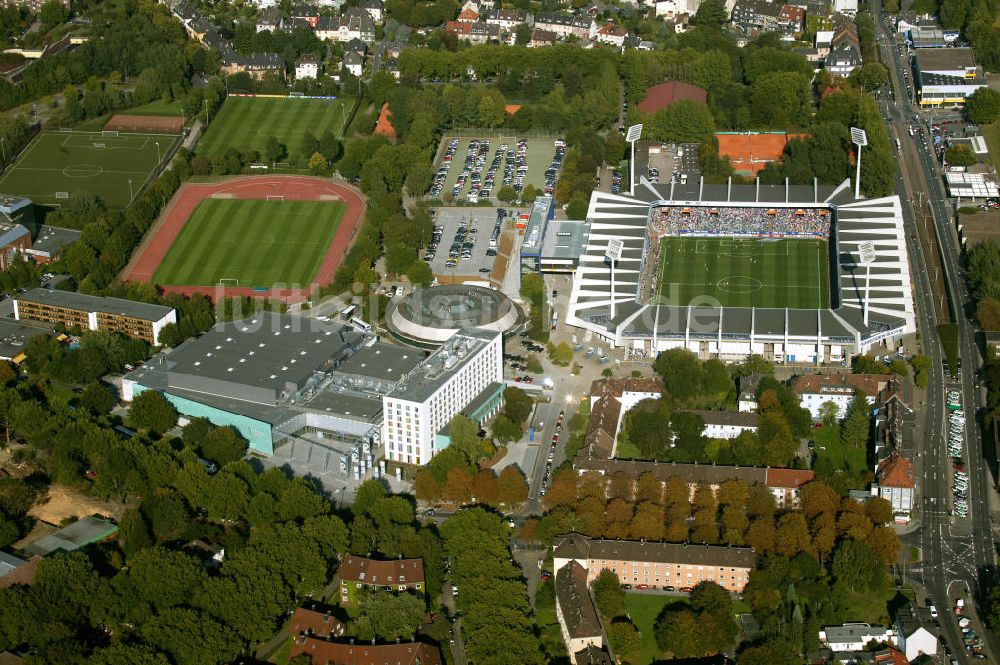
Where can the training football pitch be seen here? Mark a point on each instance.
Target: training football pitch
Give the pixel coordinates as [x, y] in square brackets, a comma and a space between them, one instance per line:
[734, 272]
[251, 243]
[57, 165]
[247, 122]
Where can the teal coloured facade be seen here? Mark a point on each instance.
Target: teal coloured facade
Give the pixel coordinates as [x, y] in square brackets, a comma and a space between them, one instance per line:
[256, 432]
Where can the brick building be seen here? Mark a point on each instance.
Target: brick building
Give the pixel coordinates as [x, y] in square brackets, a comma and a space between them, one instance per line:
[657, 565]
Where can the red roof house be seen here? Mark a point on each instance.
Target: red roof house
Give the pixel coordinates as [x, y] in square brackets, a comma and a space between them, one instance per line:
[312, 623]
[663, 95]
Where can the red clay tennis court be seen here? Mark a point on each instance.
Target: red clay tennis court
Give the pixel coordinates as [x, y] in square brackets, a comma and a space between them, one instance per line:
[749, 153]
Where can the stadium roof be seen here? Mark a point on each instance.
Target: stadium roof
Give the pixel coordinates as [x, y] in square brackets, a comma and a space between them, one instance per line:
[625, 217]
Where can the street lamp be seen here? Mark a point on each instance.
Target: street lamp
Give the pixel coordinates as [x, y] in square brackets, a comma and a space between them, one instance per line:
[860, 139]
[632, 135]
[130, 190]
[157, 152]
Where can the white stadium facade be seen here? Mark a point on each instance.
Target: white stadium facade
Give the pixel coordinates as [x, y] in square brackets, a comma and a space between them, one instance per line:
[645, 327]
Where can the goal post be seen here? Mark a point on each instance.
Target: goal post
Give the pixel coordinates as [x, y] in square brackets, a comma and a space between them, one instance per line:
[229, 281]
[276, 197]
[109, 132]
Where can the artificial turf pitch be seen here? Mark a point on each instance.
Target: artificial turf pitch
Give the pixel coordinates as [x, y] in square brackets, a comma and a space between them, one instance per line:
[57, 165]
[259, 243]
[744, 272]
[247, 122]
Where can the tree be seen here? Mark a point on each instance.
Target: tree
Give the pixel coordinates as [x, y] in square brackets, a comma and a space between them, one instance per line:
[223, 445]
[52, 13]
[419, 273]
[492, 110]
[506, 194]
[97, 399]
[625, 639]
[529, 193]
[522, 34]
[504, 429]
[317, 163]
[512, 487]
[385, 615]
[711, 14]
[458, 488]
[680, 370]
[152, 412]
[983, 106]
[609, 595]
[273, 150]
[960, 155]
[681, 632]
[854, 432]
[577, 208]
[485, 487]
[870, 75]
[684, 121]
[517, 405]
[828, 413]
[792, 535]
[856, 565]
[561, 354]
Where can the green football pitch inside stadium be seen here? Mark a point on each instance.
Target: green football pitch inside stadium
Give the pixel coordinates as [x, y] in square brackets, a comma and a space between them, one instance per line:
[744, 272]
[57, 165]
[251, 243]
[249, 121]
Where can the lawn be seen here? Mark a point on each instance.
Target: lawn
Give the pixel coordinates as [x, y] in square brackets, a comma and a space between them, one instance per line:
[249, 121]
[731, 272]
[57, 165]
[540, 154]
[643, 608]
[991, 133]
[251, 243]
[158, 107]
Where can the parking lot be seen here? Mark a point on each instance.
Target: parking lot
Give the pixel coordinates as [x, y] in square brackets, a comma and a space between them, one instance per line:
[476, 168]
[470, 262]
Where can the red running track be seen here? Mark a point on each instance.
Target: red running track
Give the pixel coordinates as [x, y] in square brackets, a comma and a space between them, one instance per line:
[299, 188]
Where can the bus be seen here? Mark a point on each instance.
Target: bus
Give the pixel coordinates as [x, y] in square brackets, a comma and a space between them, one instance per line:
[360, 325]
[348, 312]
[899, 146]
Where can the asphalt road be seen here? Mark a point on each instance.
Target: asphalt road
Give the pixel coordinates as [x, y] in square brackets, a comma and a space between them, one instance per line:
[955, 551]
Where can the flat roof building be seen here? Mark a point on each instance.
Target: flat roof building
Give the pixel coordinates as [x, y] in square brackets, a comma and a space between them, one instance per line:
[50, 242]
[79, 534]
[78, 310]
[946, 76]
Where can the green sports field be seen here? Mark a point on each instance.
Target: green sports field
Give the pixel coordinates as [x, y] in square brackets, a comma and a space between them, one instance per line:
[744, 273]
[57, 165]
[249, 121]
[258, 243]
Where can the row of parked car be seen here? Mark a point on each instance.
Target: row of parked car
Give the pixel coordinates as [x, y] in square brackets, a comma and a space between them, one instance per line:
[956, 448]
[445, 168]
[552, 452]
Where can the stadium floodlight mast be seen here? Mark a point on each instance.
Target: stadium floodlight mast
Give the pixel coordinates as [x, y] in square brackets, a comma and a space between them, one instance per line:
[632, 135]
[866, 257]
[859, 138]
[612, 254]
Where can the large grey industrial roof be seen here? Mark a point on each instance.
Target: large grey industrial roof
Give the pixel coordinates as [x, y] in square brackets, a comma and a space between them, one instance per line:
[382, 361]
[565, 239]
[945, 59]
[88, 303]
[268, 350]
[14, 336]
[349, 404]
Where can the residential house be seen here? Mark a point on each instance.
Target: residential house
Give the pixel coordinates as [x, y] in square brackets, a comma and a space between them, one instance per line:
[748, 385]
[541, 38]
[474, 33]
[911, 637]
[890, 656]
[354, 62]
[579, 622]
[846, 7]
[307, 67]
[844, 58]
[508, 19]
[315, 624]
[391, 65]
[255, 64]
[726, 424]
[304, 12]
[823, 42]
[269, 20]
[468, 15]
[854, 637]
[895, 482]
[671, 9]
[754, 17]
[589, 656]
[784, 484]
[358, 572]
[322, 652]
[564, 24]
[793, 18]
[656, 564]
[354, 23]
[375, 9]
[815, 390]
[610, 399]
[611, 33]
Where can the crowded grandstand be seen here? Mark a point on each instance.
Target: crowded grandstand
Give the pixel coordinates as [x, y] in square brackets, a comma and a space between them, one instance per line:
[752, 222]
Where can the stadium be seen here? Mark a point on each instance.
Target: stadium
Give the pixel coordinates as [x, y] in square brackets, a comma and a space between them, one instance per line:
[731, 270]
